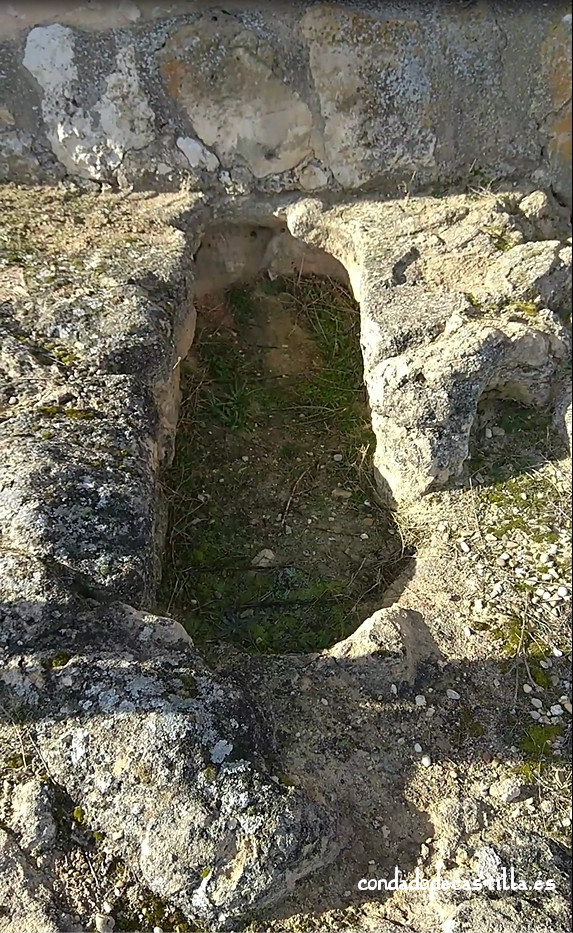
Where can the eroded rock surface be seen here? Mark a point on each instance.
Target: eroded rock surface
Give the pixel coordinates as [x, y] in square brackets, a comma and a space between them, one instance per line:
[168, 763]
[456, 301]
[305, 97]
[196, 778]
[89, 402]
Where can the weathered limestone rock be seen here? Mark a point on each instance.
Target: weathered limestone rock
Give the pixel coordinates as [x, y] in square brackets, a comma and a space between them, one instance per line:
[27, 901]
[374, 100]
[32, 816]
[165, 761]
[546, 264]
[119, 702]
[454, 303]
[481, 914]
[424, 402]
[81, 494]
[543, 214]
[87, 357]
[173, 765]
[96, 142]
[387, 651]
[304, 97]
[221, 74]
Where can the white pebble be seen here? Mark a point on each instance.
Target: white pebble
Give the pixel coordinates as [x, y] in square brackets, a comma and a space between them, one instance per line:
[527, 688]
[418, 748]
[420, 700]
[535, 714]
[464, 546]
[562, 592]
[568, 707]
[264, 558]
[426, 761]
[394, 689]
[364, 536]
[104, 923]
[557, 652]
[556, 710]
[324, 701]
[453, 695]
[537, 703]
[337, 457]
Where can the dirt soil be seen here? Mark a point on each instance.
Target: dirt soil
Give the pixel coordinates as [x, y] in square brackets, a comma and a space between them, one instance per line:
[277, 542]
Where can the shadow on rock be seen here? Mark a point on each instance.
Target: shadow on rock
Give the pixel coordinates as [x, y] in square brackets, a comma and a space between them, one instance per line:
[224, 789]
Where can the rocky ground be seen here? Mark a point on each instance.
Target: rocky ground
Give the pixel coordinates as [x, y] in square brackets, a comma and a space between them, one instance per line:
[371, 684]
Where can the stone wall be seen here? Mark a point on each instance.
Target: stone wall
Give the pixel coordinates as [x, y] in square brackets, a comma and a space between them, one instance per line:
[220, 790]
[287, 97]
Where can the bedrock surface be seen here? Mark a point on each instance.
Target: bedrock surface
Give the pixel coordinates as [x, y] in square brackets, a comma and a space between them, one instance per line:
[177, 767]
